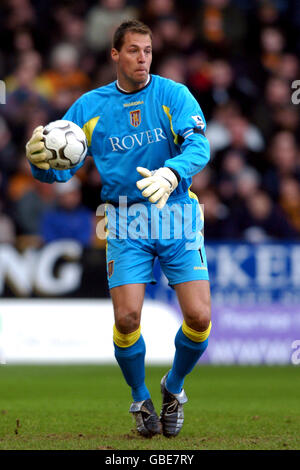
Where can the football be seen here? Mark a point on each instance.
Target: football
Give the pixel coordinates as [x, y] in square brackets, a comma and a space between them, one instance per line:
[65, 144]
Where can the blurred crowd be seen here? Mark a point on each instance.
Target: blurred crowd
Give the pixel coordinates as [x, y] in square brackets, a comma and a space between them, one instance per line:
[238, 57]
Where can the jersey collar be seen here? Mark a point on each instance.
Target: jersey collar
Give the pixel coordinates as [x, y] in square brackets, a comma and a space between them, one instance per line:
[121, 90]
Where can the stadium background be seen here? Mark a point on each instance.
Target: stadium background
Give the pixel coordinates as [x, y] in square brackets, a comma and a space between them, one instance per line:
[240, 59]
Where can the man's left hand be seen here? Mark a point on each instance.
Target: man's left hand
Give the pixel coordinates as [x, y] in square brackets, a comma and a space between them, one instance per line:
[157, 184]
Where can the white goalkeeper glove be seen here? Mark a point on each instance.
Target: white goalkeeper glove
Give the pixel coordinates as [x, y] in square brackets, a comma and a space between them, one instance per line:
[35, 149]
[157, 184]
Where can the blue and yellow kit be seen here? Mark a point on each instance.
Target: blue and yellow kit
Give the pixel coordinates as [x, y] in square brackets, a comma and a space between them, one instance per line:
[160, 125]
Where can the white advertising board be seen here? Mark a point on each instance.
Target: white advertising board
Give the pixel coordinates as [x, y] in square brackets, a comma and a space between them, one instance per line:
[77, 331]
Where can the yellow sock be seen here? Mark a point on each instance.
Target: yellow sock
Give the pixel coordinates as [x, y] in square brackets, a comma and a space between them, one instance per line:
[194, 335]
[125, 340]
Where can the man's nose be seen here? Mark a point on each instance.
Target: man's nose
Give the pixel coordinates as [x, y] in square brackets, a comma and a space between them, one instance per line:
[141, 57]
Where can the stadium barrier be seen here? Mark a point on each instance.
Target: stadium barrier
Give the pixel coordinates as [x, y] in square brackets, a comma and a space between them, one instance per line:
[54, 306]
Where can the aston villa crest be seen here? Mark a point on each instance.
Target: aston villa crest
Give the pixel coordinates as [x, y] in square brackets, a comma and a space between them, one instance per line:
[110, 268]
[135, 117]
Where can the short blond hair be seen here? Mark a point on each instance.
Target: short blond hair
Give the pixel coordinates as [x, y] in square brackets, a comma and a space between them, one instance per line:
[132, 26]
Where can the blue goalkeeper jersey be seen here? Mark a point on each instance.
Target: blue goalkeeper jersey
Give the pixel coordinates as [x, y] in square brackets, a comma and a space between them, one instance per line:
[160, 125]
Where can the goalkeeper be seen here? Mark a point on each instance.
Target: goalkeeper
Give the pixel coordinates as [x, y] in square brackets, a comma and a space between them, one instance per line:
[146, 135]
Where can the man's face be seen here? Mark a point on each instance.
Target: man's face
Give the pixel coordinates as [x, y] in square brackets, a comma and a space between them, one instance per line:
[134, 59]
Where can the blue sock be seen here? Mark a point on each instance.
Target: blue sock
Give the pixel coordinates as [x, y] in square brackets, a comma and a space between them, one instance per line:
[187, 354]
[132, 363]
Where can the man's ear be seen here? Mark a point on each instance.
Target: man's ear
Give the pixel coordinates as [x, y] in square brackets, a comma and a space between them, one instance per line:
[115, 55]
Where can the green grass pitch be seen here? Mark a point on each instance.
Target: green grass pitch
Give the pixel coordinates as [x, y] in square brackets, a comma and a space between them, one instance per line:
[86, 407]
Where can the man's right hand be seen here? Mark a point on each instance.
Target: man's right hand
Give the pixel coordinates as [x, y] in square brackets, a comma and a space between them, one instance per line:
[35, 149]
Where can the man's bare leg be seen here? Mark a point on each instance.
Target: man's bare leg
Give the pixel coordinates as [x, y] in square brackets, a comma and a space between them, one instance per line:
[191, 341]
[130, 354]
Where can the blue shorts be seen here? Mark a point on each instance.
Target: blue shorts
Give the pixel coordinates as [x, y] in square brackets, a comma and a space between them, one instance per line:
[139, 233]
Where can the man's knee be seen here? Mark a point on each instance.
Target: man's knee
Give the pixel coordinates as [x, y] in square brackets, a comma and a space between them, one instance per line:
[127, 320]
[198, 317]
